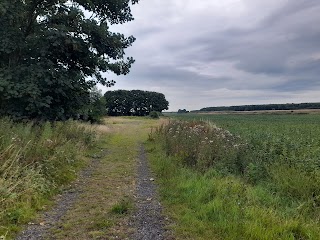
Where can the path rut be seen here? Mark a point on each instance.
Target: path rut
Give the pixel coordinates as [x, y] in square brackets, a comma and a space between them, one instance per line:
[40, 228]
[147, 220]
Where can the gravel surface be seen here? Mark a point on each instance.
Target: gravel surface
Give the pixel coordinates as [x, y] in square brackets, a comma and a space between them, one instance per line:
[41, 228]
[147, 220]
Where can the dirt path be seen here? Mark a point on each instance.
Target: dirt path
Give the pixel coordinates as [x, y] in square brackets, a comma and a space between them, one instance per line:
[147, 219]
[114, 198]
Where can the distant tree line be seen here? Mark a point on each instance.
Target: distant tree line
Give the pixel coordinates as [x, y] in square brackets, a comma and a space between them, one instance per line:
[182, 111]
[134, 102]
[287, 106]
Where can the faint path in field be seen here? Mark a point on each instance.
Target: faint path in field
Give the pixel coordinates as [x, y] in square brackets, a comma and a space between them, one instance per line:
[147, 220]
[40, 229]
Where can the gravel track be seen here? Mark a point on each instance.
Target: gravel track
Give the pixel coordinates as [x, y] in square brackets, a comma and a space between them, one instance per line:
[147, 220]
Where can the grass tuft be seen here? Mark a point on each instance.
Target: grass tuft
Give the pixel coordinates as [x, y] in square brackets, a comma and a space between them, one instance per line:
[122, 207]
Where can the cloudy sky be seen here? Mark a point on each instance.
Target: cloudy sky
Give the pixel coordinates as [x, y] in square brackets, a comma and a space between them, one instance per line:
[218, 53]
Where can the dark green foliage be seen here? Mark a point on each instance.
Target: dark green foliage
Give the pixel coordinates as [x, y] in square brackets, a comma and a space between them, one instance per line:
[95, 109]
[51, 54]
[134, 103]
[287, 106]
[182, 111]
[154, 115]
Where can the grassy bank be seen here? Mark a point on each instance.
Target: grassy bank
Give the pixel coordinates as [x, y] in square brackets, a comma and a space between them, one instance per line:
[257, 180]
[35, 160]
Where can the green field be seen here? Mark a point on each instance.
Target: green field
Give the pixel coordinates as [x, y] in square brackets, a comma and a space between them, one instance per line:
[240, 176]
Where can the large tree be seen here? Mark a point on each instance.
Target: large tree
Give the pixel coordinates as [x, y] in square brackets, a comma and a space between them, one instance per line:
[134, 103]
[52, 52]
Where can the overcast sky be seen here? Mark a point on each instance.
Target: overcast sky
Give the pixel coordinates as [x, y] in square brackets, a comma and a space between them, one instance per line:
[218, 53]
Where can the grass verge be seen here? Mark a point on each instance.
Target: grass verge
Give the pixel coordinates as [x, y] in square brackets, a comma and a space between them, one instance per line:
[35, 160]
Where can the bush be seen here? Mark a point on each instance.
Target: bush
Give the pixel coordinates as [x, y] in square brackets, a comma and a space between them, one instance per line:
[154, 115]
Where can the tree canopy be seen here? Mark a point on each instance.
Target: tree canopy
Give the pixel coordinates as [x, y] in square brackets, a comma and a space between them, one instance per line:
[52, 52]
[182, 111]
[134, 102]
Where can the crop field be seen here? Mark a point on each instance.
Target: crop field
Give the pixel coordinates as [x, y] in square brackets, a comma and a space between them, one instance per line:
[240, 176]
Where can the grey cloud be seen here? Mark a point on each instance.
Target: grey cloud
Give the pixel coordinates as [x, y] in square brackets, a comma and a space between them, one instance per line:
[278, 53]
[267, 47]
[290, 8]
[298, 85]
[174, 77]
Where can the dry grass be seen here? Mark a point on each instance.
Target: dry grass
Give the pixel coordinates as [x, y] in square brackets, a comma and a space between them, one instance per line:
[103, 129]
[35, 161]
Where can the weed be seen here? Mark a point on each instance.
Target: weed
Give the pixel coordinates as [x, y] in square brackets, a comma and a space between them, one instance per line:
[122, 207]
[201, 146]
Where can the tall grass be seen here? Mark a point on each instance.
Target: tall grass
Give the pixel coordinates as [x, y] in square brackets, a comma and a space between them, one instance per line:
[34, 161]
[259, 179]
[202, 145]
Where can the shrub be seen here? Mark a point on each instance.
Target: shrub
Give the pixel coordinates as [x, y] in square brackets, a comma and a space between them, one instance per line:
[154, 114]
